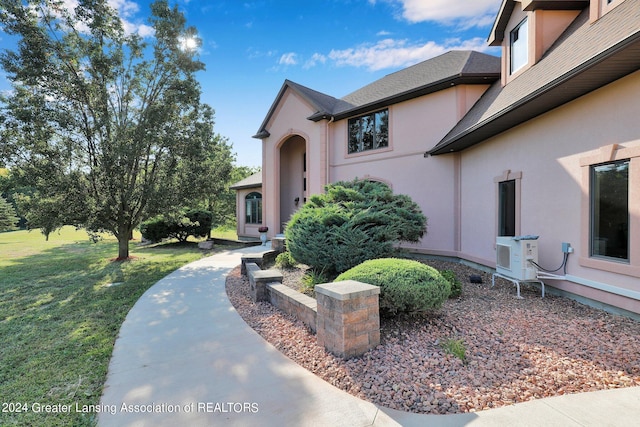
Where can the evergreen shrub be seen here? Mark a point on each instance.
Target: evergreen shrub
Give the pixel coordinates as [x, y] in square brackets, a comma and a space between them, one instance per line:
[351, 223]
[194, 222]
[406, 286]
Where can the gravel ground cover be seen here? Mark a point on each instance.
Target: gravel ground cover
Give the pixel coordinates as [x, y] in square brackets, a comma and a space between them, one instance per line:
[515, 350]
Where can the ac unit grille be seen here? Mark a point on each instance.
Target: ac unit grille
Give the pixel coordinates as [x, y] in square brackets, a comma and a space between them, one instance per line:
[504, 256]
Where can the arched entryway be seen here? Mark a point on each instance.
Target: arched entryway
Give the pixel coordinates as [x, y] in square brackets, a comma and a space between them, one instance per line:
[293, 177]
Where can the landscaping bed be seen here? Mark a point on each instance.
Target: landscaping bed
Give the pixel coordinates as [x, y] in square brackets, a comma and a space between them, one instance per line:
[515, 350]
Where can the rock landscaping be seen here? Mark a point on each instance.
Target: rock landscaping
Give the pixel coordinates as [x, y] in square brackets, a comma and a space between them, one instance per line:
[483, 350]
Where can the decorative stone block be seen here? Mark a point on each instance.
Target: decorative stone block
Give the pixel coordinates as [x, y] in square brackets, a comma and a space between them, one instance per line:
[206, 245]
[258, 280]
[348, 320]
[278, 244]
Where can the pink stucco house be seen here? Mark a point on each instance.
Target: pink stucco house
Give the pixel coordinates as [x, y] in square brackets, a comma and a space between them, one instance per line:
[543, 141]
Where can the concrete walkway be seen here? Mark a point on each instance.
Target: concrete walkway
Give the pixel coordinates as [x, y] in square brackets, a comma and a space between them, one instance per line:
[184, 357]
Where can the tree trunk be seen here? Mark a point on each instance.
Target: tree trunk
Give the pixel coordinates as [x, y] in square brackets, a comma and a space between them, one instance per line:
[123, 245]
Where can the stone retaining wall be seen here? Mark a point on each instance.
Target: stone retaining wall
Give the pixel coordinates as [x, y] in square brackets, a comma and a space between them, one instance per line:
[345, 315]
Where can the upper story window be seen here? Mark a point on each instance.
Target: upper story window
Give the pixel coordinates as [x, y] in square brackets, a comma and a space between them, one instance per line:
[369, 132]
[519, 44]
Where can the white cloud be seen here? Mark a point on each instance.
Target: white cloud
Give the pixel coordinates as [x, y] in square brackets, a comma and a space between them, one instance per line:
[391, 53]
[125, 7]
[314, 60]
[126, 10]
[288, 59]
[481, 12]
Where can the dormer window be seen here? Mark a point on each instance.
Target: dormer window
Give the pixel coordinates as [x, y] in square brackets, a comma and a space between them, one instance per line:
[519, 43]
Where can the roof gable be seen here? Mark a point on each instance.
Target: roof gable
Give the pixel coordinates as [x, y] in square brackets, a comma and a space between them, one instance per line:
[322, 103]
[441, 72]
[506, 9]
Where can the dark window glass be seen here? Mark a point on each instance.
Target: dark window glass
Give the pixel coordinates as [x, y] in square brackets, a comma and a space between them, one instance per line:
[609, 194]
[507, 208]
[253, 208]
[369, 132]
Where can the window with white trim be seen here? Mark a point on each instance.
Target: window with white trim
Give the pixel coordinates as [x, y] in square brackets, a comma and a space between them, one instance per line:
[519, 46]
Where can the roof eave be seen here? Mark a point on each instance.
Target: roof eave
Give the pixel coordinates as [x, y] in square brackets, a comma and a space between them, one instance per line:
[500, 24]
[262, 134]
[530, 5]
[586, 78]
[487, 78]
[320, 115]
[244, 187]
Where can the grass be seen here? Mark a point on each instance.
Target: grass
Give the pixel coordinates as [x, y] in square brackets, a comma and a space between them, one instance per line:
[59, 318]
[455, 347]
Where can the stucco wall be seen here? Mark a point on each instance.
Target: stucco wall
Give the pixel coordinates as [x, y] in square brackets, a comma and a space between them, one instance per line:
[290, 121]
[547, 151]
[414, 127]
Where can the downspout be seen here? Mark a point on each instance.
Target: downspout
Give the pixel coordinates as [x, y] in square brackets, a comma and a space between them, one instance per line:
[327, 151]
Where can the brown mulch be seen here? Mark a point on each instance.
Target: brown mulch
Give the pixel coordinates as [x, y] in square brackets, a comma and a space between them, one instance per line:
[516, 349]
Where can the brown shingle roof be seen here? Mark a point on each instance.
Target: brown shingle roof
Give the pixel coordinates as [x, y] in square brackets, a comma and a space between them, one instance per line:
[451, 68]
[587, 56]
[252, 181]
[445, 67]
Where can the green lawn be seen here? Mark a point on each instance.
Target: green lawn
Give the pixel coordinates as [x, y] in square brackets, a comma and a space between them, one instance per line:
[59, 317]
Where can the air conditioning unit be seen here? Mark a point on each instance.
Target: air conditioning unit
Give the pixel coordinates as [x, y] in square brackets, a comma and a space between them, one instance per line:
[514, 256]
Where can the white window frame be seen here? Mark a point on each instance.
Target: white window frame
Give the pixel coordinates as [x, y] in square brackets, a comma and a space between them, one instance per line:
[519, 46]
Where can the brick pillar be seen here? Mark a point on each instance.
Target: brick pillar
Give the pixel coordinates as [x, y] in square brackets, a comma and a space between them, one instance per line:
[348, 322]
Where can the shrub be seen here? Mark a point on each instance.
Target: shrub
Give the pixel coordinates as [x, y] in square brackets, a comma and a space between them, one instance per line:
[179, 226]
[456, 286]
[285, 261]
[351, 223]
[406, 286]
[154, 229]
[199, 222]
[311, 279]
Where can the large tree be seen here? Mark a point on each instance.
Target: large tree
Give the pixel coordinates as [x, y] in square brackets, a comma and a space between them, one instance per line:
[107, 126]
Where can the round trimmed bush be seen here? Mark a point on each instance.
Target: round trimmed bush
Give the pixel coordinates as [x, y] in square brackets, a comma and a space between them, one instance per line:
[406, 286]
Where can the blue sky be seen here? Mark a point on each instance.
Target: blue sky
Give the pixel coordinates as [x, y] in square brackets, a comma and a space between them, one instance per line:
[333, 46]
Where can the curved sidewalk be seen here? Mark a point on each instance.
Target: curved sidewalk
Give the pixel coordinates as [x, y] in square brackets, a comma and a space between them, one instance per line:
[184, 357]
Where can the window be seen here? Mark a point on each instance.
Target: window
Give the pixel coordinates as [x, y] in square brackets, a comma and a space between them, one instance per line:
[369, 132]
[609, 192]
[253, 208]
[507, 208]
[507, 197]
[519, 42]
